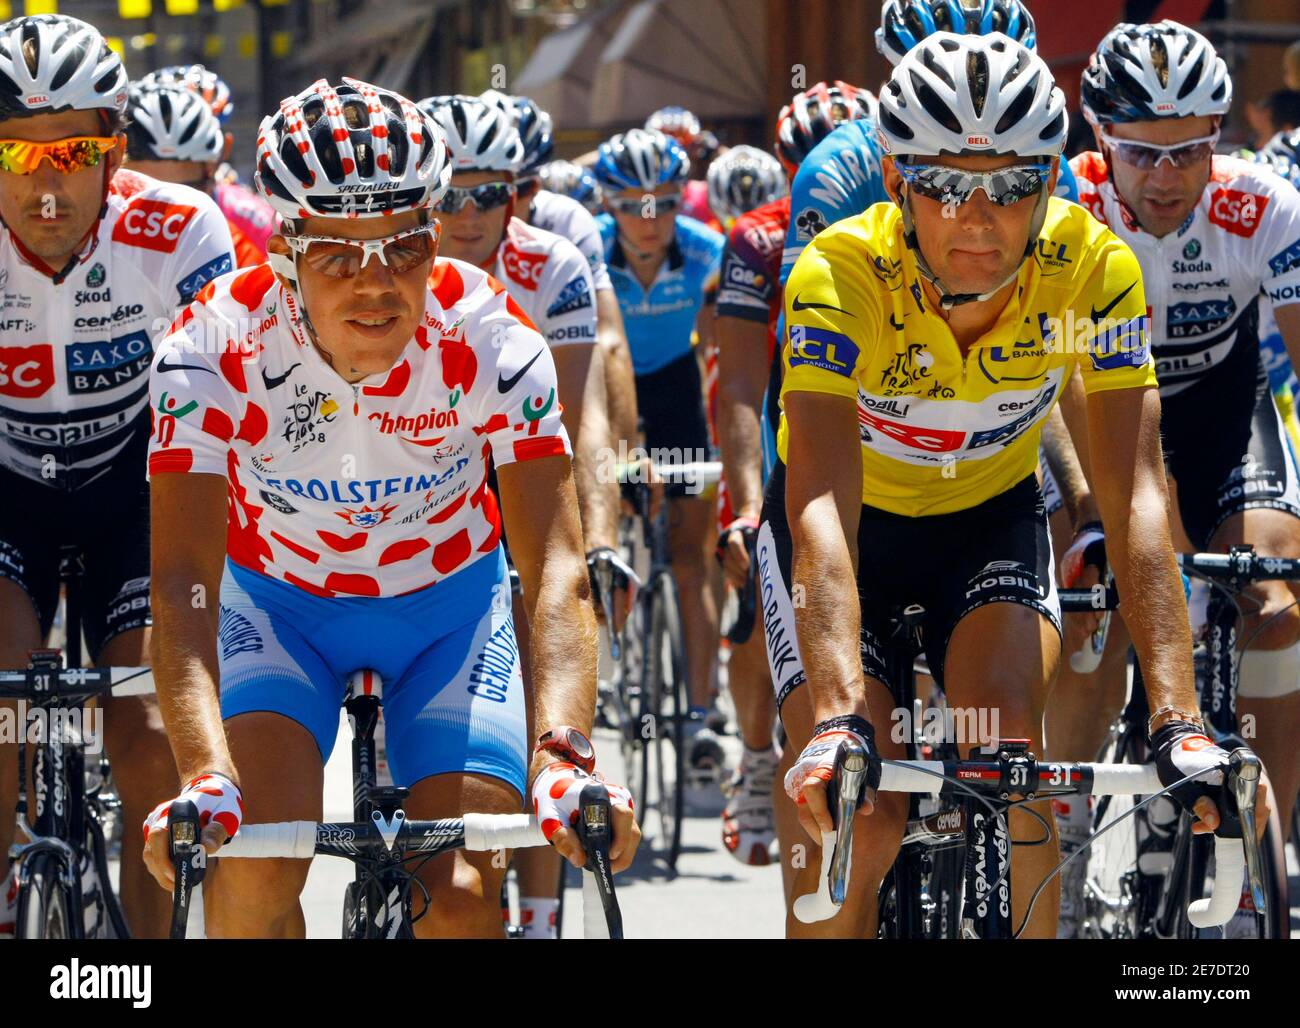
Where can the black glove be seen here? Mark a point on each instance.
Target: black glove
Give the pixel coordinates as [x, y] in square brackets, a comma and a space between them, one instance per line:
[1181, 749]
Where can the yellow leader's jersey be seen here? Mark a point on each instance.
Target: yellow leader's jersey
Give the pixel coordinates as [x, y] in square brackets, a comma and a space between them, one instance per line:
[942, 432]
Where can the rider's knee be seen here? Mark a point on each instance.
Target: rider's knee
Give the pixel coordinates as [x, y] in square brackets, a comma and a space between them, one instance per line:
[265, 889]
[1269, 673]
[461, 908]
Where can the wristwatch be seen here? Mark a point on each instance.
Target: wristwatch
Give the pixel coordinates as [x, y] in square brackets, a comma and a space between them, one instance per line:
[569, 744]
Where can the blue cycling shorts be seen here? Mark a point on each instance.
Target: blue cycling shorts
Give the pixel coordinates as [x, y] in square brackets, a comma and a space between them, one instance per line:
[453, 693]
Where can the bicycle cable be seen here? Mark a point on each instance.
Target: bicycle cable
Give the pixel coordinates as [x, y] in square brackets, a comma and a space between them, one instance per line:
[1084, 847]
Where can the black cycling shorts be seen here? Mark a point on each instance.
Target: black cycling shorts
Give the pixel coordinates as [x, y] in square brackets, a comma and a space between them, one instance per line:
[671, 406]
[1226, 447]
[950, 564]
[108, 520]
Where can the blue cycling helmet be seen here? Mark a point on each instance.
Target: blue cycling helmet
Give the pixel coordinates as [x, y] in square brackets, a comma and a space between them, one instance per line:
[638, 159]
[904, 23]
[534, 126]
[571, 180]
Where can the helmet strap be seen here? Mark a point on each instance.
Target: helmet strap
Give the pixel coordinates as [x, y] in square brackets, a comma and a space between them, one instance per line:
[287, 268]
[949, 300]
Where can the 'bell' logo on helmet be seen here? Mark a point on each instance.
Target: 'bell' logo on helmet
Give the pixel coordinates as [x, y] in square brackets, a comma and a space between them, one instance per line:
[36, 99]
[978, 141]
[1164, 108]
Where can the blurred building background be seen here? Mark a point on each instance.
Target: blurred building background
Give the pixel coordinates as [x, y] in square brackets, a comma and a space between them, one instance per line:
[603, 65]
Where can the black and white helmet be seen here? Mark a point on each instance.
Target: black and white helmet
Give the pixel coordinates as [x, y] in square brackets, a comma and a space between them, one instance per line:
[171, 123]
[481, 135]
[68, 66]
[972, 95]
[743, 178]
[1144, 72]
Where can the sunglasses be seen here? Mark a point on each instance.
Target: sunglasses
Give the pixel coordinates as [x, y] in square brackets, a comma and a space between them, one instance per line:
[486, 197]
[1003, 186]
[1145, 156]
[344, 258]
[637, 205]
[23, 157]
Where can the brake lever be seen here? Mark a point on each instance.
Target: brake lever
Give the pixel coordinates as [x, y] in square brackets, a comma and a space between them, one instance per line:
[1243, 779]
[844, 797]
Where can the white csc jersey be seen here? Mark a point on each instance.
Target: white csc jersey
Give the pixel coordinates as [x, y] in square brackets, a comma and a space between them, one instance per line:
[566, 217]
[549, 279]
[75, 349]
[1203, 282]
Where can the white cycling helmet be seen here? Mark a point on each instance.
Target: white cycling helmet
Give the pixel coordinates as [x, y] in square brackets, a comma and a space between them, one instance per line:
[354, 151]
[67, 66]
[1144, 72]
[171, 123]
[971, 96]
[743, 178]
[481, 136]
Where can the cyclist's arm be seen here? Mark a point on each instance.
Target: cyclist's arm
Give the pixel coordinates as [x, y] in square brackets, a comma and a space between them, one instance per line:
[188, 550]
[823, 501]
[1065, 461]
[579, 371]
[1129, 476]
[743, 372]
[616, 358]
[540, 508]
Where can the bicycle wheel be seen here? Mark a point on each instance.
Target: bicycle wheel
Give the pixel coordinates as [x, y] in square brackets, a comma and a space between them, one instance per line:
[663, 691]
[1201, 876]
[44, 906]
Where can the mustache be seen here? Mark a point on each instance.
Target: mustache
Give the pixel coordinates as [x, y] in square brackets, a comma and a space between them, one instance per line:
[48, 205]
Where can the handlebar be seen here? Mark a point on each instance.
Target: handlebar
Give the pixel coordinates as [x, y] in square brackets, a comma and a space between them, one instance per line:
[302, 840]
[1237, 857]
[75, 684]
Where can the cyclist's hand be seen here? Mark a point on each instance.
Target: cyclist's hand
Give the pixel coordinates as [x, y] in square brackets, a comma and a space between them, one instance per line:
[221, 810]
[1182, 749]
[1082, 566]
[624, 583]
[733, 550]
[1078, 627]
[806, 782]
[556, 792]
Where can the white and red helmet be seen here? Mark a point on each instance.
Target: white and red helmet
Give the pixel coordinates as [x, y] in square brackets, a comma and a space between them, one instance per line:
[350, 151]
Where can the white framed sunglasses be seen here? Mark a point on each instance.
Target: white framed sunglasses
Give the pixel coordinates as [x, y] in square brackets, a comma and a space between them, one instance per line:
[1145, 156]
[336, 257]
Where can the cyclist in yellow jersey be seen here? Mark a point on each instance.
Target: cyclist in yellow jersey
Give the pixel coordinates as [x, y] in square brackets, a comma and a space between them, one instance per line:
[927, 341]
